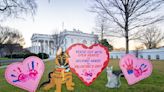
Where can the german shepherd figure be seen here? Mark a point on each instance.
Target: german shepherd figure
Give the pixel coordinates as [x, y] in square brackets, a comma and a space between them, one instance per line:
[61, 74]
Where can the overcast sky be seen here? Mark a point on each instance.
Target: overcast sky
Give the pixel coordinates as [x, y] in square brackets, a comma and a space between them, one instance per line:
[51, 16]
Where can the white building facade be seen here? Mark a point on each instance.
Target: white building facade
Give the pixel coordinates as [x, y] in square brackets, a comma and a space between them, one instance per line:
[49, 43]
[76, 36]
[42, 43]
[152, 54]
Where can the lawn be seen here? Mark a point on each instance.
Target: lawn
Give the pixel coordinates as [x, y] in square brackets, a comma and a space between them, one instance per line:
[4, 58]
[155, 83]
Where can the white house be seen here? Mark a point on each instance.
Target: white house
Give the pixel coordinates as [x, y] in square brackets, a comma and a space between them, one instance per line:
[154, 54]
[47, 43]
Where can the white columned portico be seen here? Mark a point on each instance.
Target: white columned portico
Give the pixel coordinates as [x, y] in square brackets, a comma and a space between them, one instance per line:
[47, 43]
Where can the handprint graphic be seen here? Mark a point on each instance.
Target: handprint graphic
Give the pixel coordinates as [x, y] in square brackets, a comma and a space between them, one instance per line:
[33, 72]
[138, 71]
[129, 66]
[20, 77]
[23, 77]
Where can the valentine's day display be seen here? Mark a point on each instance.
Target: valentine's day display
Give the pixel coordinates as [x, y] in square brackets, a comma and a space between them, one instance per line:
[25, 75]
[135, 69]
[61, 74]
[88, 62]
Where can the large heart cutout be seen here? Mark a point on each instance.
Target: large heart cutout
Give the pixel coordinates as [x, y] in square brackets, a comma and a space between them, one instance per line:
[135, 69]
[88, 62]
[25, 75]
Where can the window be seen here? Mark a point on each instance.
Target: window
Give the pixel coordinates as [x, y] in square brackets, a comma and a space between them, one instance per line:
[84, 42]
[116, 57]
[71, 40]
[149, 57]
[141, 56]
[157, 57]
[91, 42]
[78, 39]
[65, 41]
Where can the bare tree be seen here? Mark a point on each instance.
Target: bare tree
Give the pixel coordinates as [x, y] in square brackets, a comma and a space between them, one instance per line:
[3, 35]
[11, 36]
[151, 37]
[10, 39]
[14, 8]
[59, 40]
[11, 48]
[127, 15]
[101, 26]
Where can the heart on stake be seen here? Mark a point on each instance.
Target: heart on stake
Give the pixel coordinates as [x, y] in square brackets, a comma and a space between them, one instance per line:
[135, 69]
[26, 74]
[88, 62]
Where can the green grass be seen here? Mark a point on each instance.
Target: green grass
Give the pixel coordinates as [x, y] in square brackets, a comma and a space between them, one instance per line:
[155, 83]
[4, 58]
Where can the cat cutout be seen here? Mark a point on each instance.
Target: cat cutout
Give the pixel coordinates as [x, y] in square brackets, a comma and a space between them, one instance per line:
[113, 79]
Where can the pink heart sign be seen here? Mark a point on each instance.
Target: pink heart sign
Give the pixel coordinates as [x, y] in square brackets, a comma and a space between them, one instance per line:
[135, 69]
[25, 75]
[88, 62]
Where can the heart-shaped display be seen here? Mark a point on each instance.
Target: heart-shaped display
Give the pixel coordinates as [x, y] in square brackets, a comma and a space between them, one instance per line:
[88, 62]
[135, 69]
[25, 75]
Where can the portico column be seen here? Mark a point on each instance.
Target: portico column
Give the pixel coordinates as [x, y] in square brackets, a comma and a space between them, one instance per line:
[34, 47]
[37, 48]
[44, 46]
[42, 50]
[48, 47]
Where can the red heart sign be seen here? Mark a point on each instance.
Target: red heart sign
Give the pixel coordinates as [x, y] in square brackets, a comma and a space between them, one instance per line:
[88, 62]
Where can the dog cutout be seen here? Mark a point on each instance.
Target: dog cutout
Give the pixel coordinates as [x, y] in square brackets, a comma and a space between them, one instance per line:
[61, 74]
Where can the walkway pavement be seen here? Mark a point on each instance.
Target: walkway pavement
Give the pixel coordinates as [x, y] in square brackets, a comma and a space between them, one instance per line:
[12, 60]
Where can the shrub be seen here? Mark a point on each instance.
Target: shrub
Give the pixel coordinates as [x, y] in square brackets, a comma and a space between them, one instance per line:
[40, 55]
[43, 55]
[15, 56]
[30, 54]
